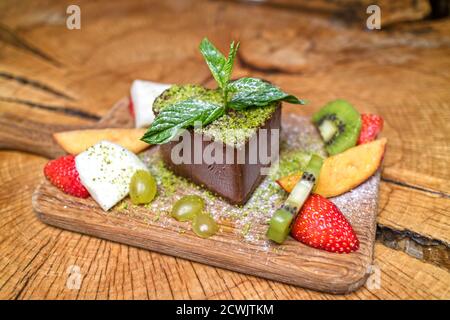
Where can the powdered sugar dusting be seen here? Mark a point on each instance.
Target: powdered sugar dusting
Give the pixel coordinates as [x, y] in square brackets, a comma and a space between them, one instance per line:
[356, 203]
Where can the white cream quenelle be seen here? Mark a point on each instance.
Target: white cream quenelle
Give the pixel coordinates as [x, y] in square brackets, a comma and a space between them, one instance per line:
[105, 170]
[143, 94]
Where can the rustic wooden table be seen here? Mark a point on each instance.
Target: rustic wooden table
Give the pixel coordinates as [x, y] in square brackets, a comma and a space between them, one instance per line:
[55, 75]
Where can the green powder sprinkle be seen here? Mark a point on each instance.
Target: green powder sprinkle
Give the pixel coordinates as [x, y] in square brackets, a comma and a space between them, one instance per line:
[291, 162]
[234, 128]
[246, 228]
[177, 93]
[123, 205]
[157, 216]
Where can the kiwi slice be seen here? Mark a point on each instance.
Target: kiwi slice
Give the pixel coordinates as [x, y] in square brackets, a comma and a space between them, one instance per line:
[339, 124]
[281, 221]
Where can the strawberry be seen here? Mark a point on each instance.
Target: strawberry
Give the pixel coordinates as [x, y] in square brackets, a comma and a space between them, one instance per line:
[63, 174]
[131, 107]
[320, 224]
[372, 125]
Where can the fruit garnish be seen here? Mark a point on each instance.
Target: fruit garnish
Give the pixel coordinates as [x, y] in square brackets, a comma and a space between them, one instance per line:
[288, 182]
[280, 225]
[77, 141]
[372, 125]
[281, 220]
[344, 171]
[339, 125]
[143, 94]
[188, 207]
[320, 224]
[204, 225]
[63, 174]
[105, 170]
[349, 169]
[142, 187]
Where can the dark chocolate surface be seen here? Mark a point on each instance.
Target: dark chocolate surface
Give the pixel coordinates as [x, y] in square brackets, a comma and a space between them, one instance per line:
[235, 181]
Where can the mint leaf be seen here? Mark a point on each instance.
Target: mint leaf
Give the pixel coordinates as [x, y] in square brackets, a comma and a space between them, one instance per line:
[215, 61]
[247, 92]
[219, 66]
[181, 115]
[228, 67]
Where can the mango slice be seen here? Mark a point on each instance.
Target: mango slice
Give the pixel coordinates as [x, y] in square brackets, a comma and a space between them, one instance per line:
[77, 141]
[344, 171]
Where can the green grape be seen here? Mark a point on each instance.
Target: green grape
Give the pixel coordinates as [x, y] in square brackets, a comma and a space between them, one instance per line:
[204, 225]
[142, 187]
[188, 207]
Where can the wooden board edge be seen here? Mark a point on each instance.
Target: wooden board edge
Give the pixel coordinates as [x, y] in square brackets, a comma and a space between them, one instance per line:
[351, 283]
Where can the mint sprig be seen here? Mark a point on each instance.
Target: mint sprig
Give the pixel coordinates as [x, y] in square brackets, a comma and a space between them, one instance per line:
[238, 95]
[221, 68]
[248, 92]
[181, 115]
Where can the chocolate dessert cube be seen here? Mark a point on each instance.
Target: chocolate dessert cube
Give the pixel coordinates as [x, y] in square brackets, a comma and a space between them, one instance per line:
[228, 156]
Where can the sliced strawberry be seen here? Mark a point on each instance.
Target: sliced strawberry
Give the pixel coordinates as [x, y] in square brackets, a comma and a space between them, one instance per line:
[372, 125]
[320, 224]
[63, 174]
[131, 107]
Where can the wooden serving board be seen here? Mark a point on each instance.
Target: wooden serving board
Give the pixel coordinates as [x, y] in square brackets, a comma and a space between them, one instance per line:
[247, 252]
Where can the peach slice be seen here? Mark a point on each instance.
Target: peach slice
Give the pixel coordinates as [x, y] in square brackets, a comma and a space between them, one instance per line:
[75, 142]
[288, 182]
[342, 172]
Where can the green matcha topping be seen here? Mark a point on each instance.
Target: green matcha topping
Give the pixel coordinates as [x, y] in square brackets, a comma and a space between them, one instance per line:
[178, 93]
[237, 127]
[233, 128]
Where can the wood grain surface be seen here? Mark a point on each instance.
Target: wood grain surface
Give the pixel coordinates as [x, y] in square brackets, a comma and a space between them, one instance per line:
[58, 76]
[20, 133]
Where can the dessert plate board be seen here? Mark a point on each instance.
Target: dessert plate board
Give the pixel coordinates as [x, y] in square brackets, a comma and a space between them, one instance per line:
[240, 245]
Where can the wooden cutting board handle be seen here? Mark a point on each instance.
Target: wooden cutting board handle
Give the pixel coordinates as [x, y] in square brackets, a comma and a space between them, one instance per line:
[17, 133]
